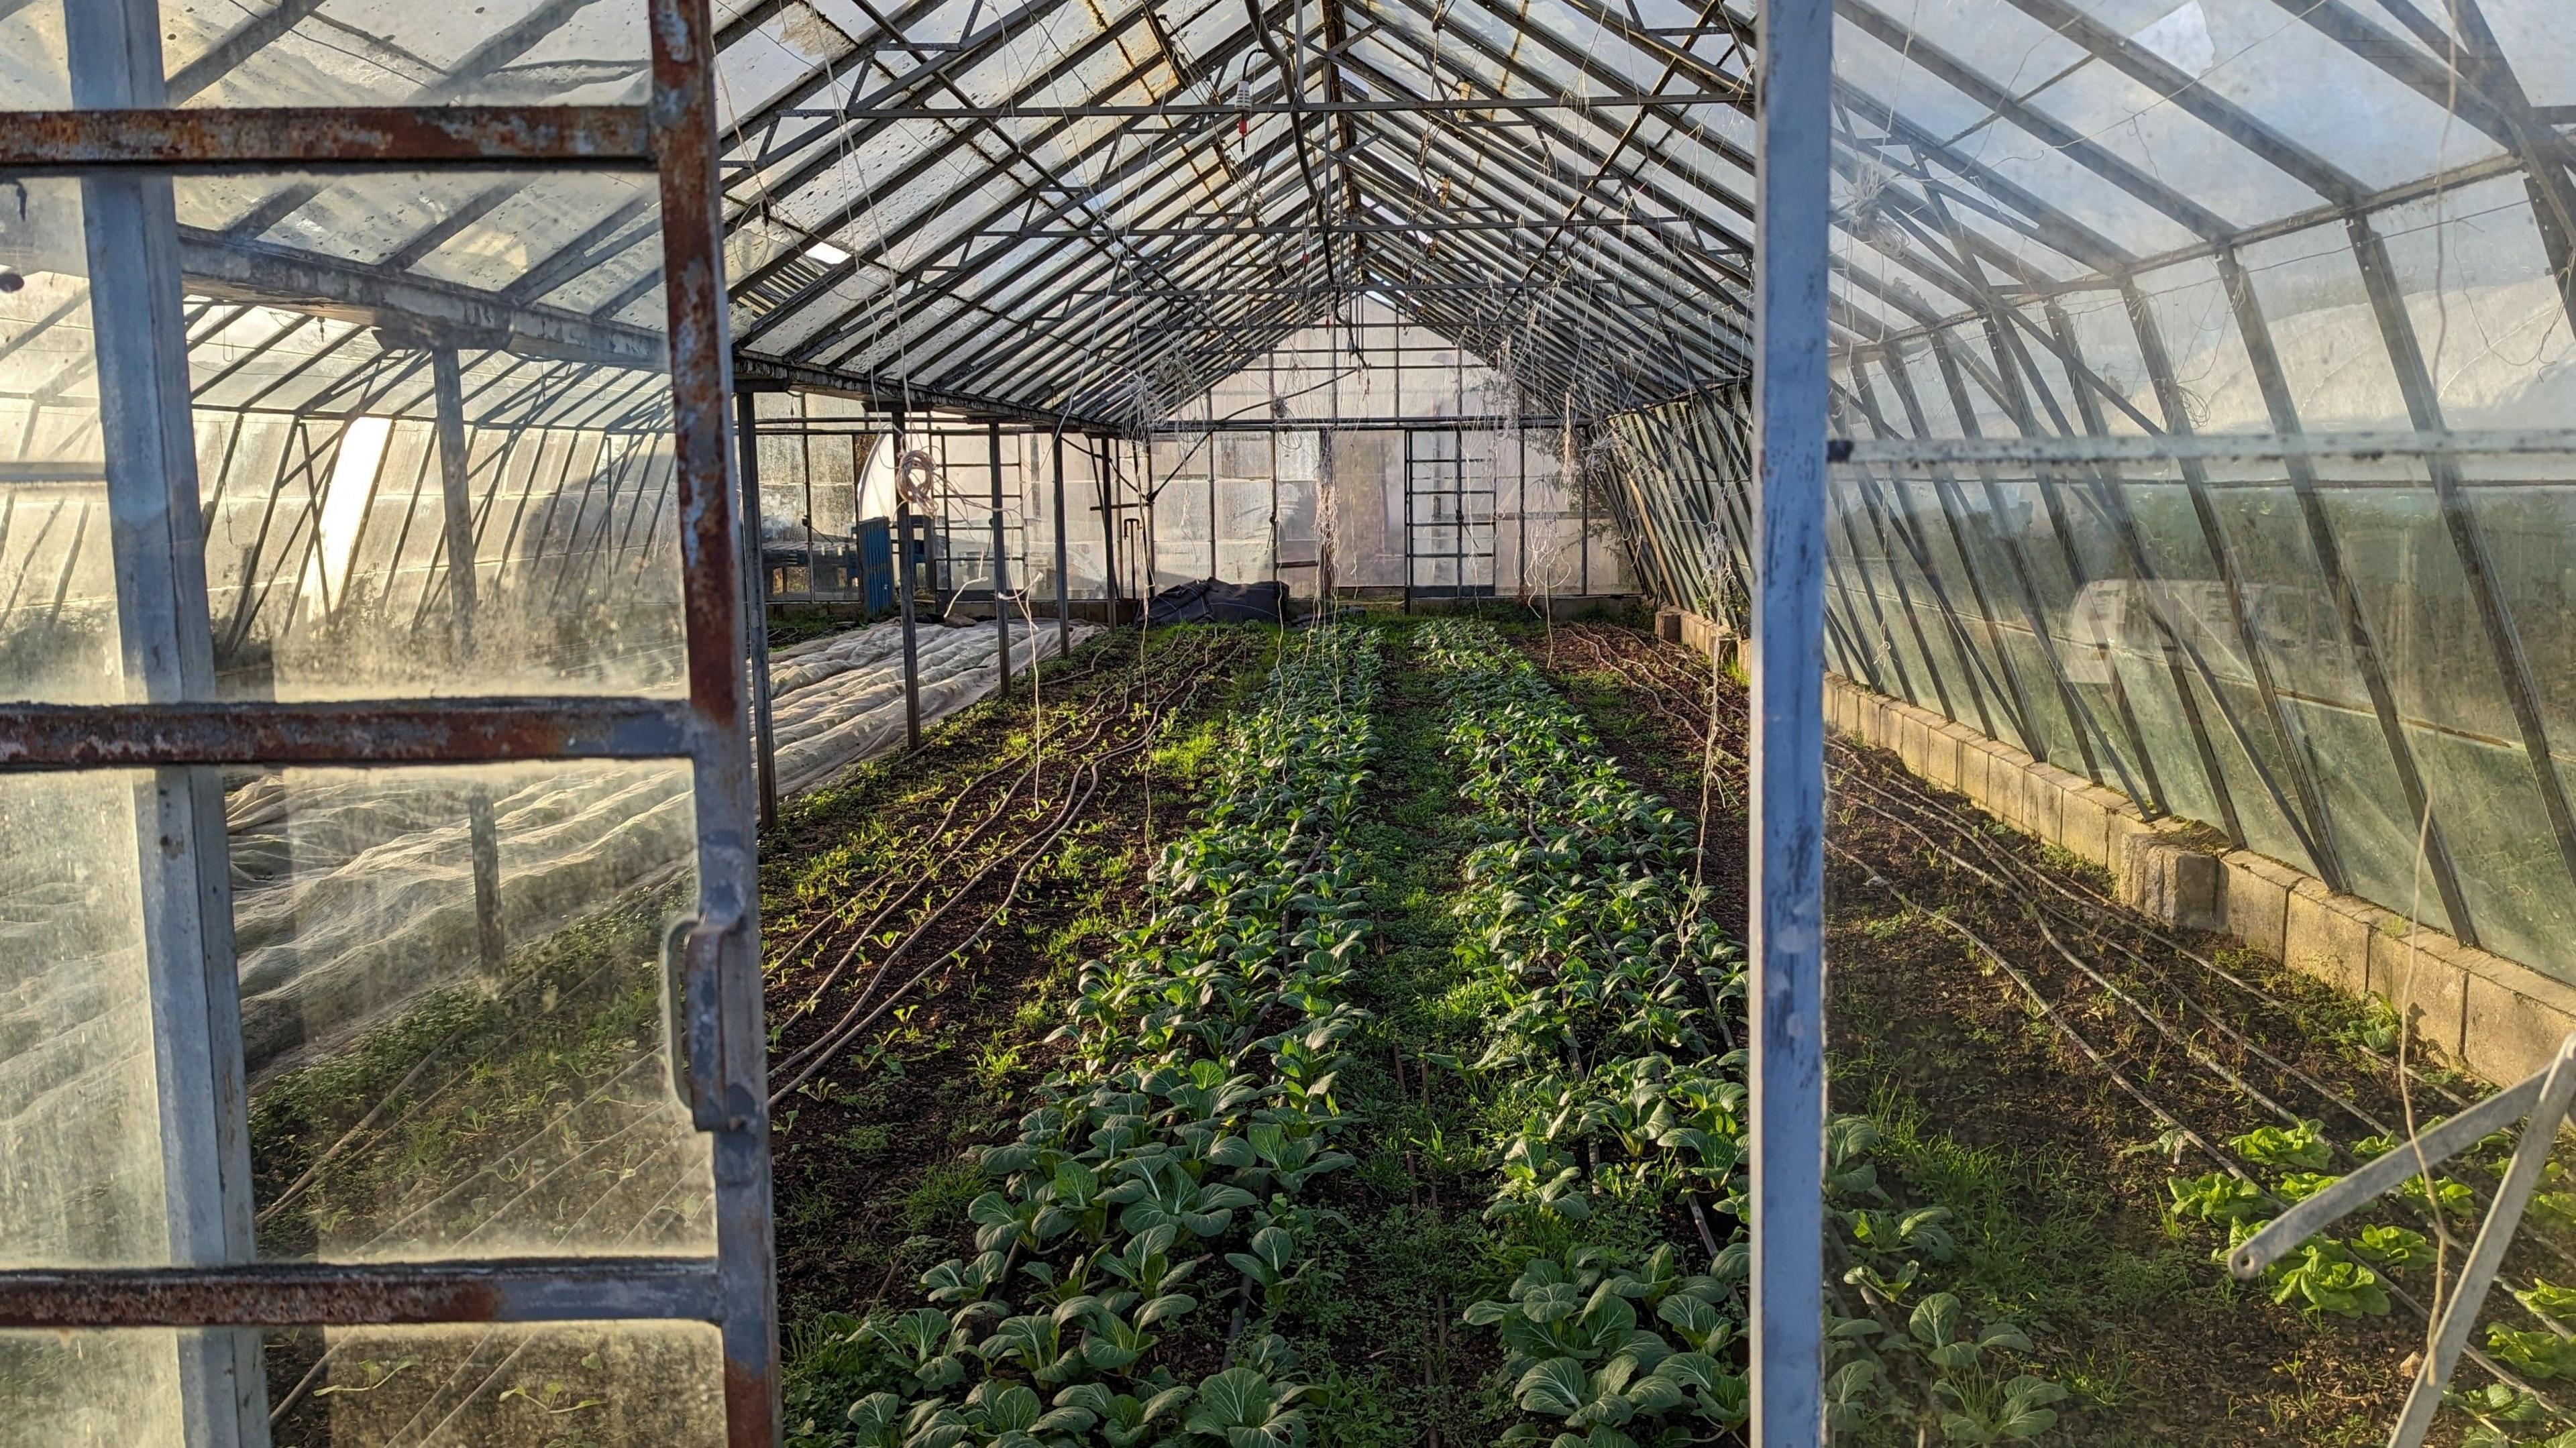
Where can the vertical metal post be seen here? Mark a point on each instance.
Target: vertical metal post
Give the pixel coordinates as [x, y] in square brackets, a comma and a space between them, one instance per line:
[755, 599]
[1786, 941]
[1272, 378]
[1105, 482]
[943, 569]
[1001, 584]
[1063, 579]
[1582, 502]
[1153, 553]
[157, 534]
[1211, 467]
[456, 496]
[805, 454]
[1458, 513]
[1520, 562]
[1395, 344]
[1408, 515]
[903, 586]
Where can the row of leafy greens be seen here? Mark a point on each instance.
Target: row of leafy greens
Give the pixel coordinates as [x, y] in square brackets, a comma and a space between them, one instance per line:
[1619, 1000]
[1156, 1191]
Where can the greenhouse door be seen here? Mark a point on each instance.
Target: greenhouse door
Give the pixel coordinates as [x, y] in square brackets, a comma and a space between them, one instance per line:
[1448, 520]
[554, 1225]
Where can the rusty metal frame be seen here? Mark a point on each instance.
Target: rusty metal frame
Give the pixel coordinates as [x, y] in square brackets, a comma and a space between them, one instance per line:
[451, 731]
[318, 1294]
[720, 1045]
[484, 138]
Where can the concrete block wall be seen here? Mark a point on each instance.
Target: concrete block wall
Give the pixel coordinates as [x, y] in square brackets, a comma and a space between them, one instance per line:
[2495, 1017]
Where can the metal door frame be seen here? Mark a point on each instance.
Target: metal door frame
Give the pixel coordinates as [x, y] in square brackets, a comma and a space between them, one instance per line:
[1457, 492]
[719, 1046]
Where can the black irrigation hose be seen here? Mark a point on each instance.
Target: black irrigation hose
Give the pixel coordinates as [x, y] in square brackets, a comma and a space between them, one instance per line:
[809, 1059]
[297, 1393]
[930, 870]
[2107, 908]
[921, 871]
[1086, 709]
[2199, 1057]
[312, 1171]
[2037, 910]
[1093, 666]
[1086, 787]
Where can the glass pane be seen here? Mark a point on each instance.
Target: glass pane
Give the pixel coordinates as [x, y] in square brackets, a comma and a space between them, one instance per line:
[359, 53]
[384, 53]
[328, 504]
[440, 1069]
[58, 609]
[80, 1161]
[418, 1088]
[561, 1385]
[90, 1389]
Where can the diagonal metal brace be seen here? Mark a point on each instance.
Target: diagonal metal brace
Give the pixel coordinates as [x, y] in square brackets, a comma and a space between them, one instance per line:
[2543, 1099]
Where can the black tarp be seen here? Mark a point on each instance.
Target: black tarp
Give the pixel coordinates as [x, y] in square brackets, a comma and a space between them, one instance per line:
[1213, 600]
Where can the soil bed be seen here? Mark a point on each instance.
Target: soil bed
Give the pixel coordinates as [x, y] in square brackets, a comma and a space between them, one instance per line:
[2056, 1175]
[869, 1163]
[2050, 1134]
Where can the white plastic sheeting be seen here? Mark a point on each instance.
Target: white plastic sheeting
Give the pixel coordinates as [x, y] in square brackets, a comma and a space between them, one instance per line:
[838, 701]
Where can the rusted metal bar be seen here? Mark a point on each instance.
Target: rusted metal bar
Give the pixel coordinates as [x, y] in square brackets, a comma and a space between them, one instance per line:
[410, 731]
[328, 1294]
[1001, 604]
[484, 138]
[728, 905]
[897, 393]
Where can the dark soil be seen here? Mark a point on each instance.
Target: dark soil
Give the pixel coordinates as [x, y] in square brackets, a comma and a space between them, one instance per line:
[2057, 1177]
[869, 1167]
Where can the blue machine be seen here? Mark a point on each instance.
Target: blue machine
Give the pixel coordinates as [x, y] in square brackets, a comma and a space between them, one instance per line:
[876, 564]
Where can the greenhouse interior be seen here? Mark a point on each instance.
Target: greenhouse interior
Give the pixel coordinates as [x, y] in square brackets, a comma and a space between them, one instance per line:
[1260, 723]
